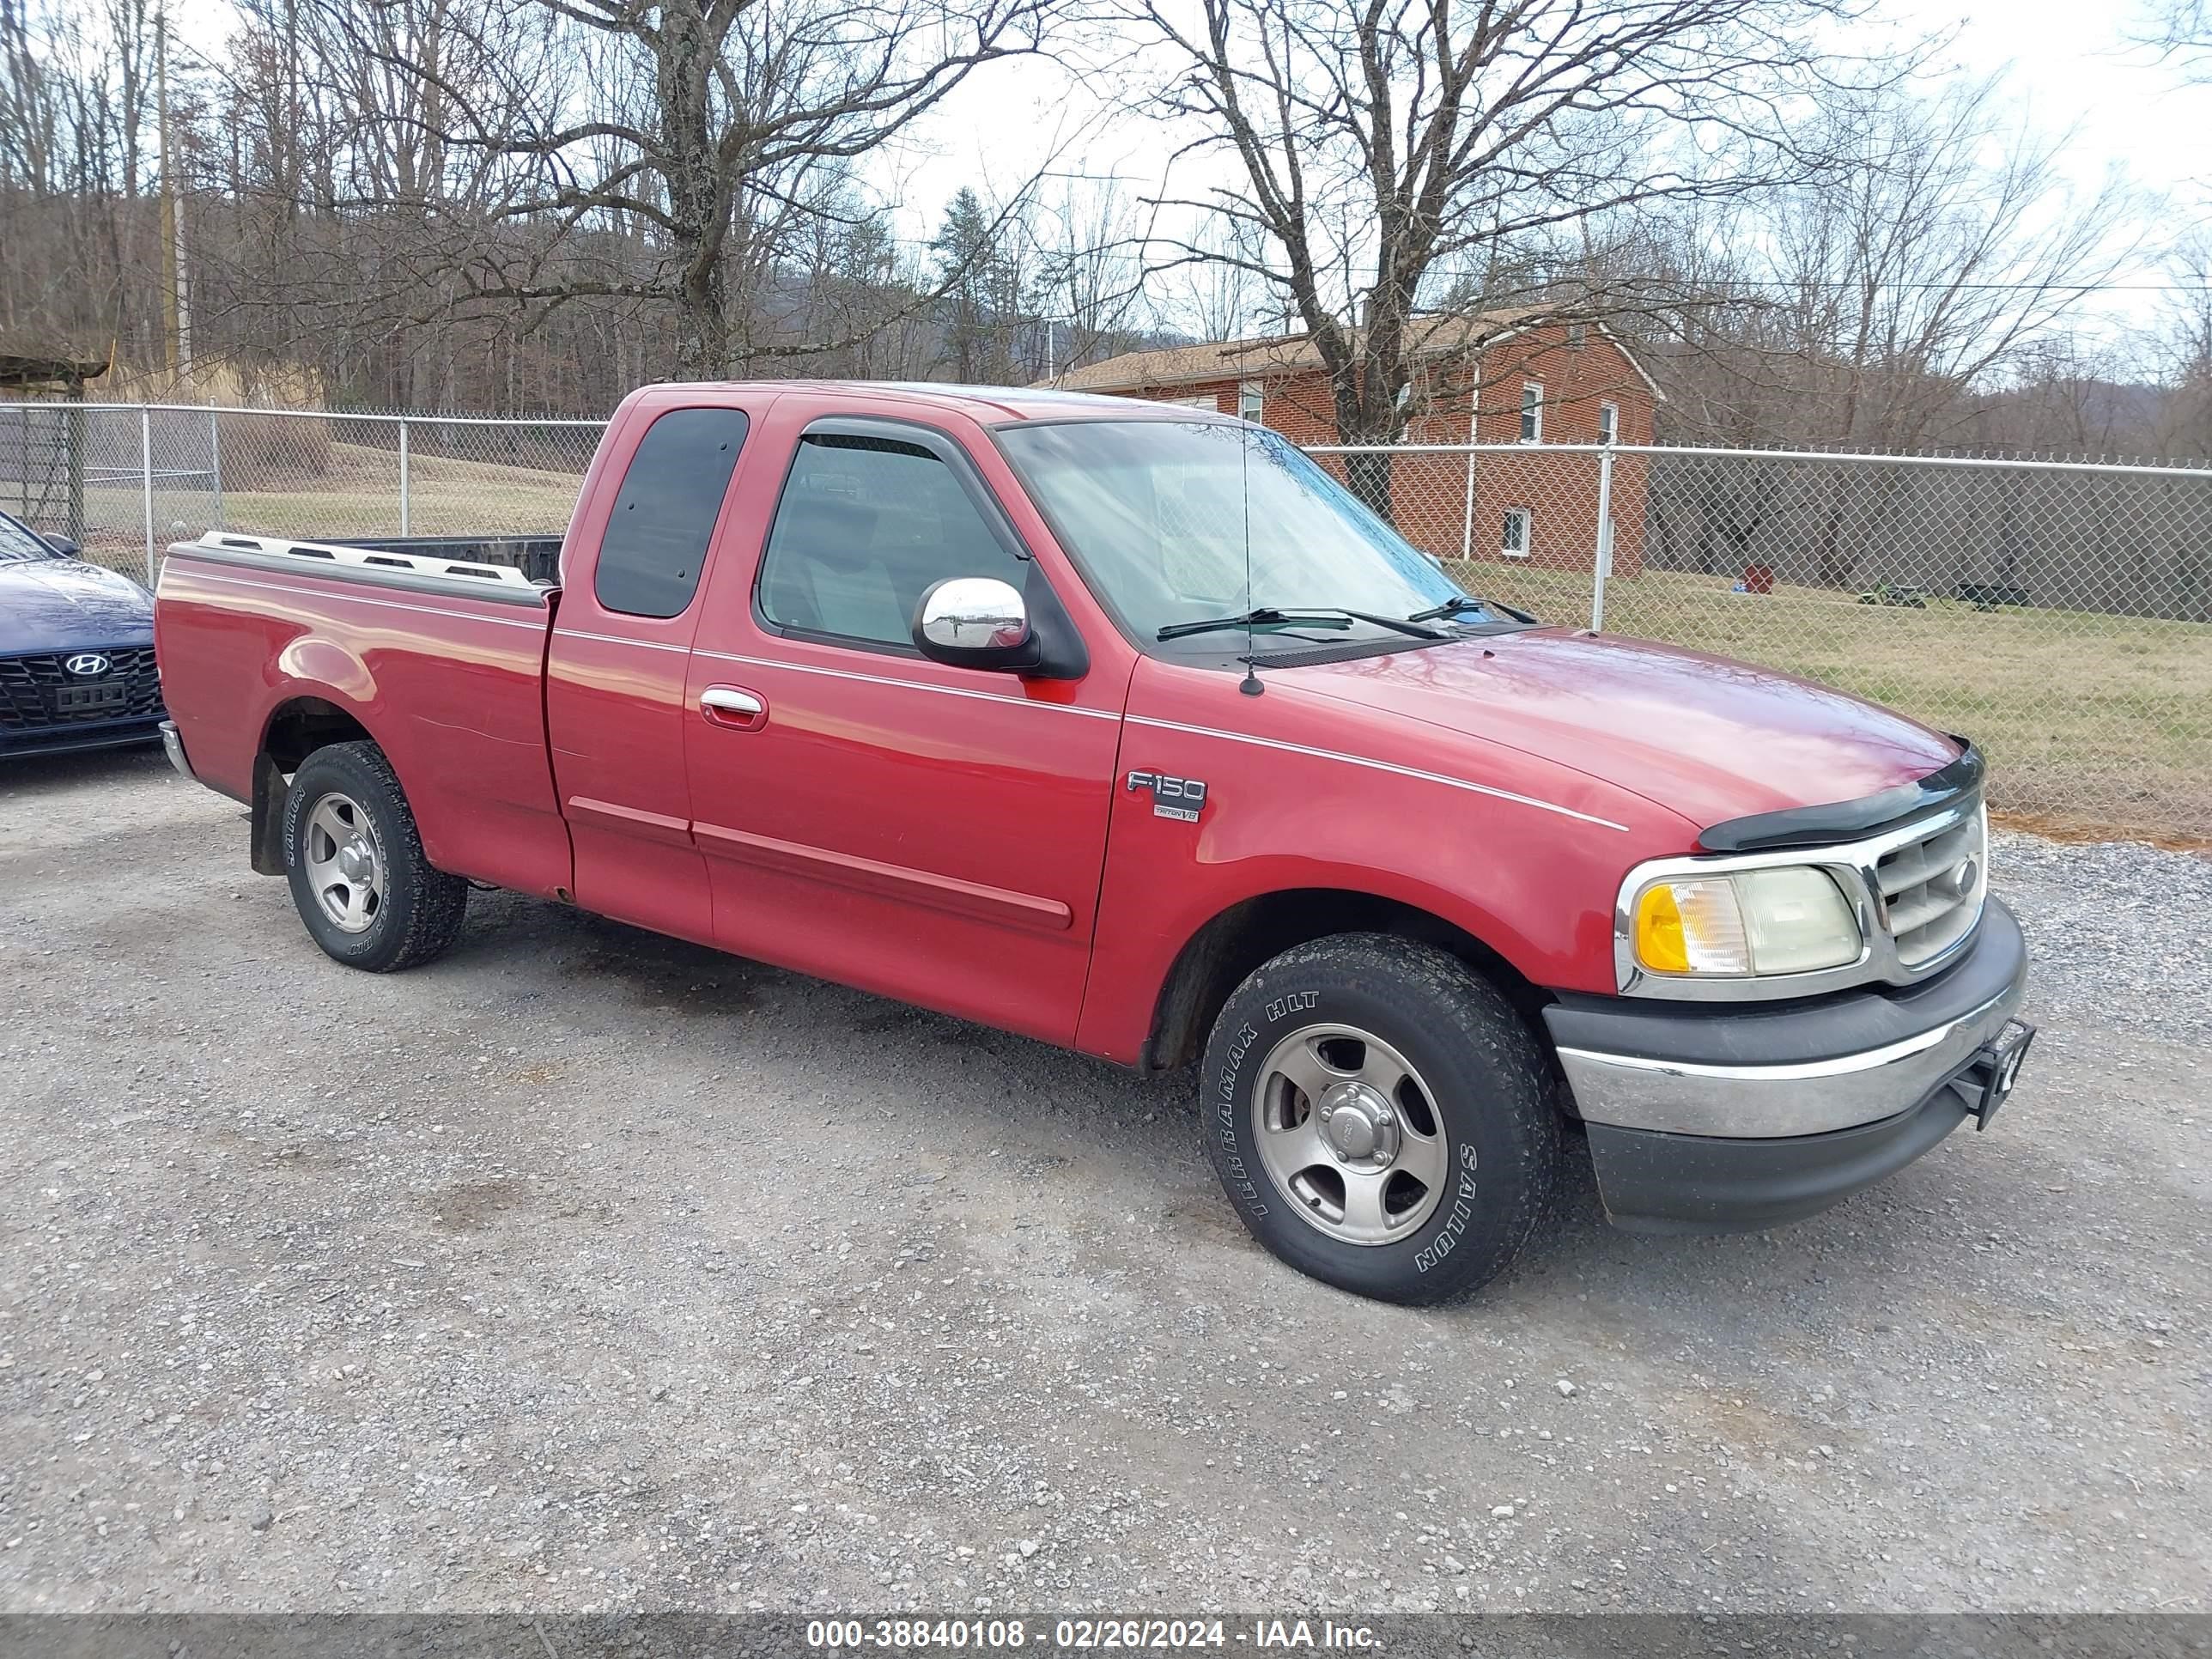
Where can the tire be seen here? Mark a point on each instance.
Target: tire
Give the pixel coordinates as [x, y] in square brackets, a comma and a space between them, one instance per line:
[1438, 1178]
[355, 861]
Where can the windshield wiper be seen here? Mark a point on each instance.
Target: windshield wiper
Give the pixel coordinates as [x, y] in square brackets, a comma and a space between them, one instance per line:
[1272, 615]
[1456, 605]
[1459, 605]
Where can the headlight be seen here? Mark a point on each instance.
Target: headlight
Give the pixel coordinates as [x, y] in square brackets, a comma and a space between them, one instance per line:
[1787, 919]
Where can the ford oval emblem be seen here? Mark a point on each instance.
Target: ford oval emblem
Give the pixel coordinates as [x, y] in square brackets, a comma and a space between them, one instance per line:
[85, 664]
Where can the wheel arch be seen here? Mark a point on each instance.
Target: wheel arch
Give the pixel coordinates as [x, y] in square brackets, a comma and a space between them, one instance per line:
[305, 720]
[1232, 943]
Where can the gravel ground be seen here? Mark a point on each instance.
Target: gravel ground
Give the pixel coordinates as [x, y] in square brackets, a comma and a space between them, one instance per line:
[585, 1270]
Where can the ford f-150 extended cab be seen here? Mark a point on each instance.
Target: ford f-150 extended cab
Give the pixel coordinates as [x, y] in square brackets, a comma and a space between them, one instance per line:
[1130, 729]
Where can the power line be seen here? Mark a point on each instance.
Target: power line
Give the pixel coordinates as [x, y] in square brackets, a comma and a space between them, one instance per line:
[1847, 286]
[1663, 288]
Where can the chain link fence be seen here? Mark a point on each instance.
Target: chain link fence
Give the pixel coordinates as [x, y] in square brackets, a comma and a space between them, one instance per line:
[124, 480]
[2059, 613]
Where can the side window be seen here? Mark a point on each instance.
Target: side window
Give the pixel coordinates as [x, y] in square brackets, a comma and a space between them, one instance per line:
[865, 525]
[656, 539]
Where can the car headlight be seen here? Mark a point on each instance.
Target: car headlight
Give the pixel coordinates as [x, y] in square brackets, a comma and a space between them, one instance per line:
[1791, 919]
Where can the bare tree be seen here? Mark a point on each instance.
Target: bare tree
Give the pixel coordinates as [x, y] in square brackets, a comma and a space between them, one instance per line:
[1920, 289]
[1944, 242]
[2179, 354]
[1209, 288]
[707, 127]
[74, 107]
[378, 199]
[1376, 144]
[2181, 30]
[1090, 283]
[2069, 395]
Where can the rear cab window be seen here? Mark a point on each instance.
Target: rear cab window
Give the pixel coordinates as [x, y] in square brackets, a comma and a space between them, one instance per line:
[664, 516]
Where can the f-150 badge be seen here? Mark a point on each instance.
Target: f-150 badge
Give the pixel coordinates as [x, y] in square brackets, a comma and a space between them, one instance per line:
[1180, 798]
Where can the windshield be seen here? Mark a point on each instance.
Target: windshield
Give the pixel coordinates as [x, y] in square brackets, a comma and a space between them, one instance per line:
[1161, 514]
[18, 543]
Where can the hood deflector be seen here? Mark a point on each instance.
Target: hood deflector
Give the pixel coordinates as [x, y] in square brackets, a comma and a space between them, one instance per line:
[1848, 820]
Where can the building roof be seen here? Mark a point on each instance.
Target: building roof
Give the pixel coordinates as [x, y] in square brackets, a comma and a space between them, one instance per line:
[1275, 354]
[27, 360]
[1279, 354]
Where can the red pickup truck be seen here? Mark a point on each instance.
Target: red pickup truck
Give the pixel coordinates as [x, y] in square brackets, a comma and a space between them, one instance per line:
[1128, 728]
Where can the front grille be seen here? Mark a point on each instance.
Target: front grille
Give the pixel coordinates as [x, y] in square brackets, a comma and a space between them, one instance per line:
[1932, 888]
[29, 689]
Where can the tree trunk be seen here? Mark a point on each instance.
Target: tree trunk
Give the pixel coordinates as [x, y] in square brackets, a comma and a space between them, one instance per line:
[1365, 378]
[703, 341]
[1835, 561]
[1369, 476]
[698, 196]
[1364, 419]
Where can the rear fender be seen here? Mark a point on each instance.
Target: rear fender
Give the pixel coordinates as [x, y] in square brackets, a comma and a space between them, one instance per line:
[312, 665]
[334, 691]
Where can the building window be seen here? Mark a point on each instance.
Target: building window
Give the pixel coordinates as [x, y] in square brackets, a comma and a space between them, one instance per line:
[1519, 521]
[1578, 335]
[1532, 413]
[1250, 402]
[1608, 423]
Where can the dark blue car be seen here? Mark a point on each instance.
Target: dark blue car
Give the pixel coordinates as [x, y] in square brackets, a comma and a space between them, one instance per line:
[76, 651]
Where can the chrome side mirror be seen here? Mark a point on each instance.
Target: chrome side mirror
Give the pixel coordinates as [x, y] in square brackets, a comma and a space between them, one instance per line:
[974, 621]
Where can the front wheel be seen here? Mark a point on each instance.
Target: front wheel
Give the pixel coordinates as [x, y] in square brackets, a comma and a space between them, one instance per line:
[1381, 1117]
[359, 878]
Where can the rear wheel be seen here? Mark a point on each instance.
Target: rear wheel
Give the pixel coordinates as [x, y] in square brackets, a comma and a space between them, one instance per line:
[1381, 1117]
[359, 878]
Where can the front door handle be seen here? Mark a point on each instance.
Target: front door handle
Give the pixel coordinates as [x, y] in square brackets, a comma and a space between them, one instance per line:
[733, 706]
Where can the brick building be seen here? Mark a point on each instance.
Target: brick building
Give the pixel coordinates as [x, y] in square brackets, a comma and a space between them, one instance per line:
[1504, 378]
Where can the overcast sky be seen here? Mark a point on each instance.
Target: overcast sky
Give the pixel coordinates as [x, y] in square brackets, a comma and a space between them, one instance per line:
[2067, 62]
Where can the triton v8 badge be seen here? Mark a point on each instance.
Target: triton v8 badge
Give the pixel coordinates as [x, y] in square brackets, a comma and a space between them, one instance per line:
[1180, 798]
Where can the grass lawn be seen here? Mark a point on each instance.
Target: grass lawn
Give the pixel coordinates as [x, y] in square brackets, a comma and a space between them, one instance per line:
[2091, 722]
[357, 494]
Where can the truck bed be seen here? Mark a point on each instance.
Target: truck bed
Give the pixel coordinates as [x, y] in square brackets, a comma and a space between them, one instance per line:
[444, 656]
[454, 563]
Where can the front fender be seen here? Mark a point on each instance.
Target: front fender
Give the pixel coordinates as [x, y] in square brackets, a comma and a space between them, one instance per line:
[1543, 907]
[1522, 855]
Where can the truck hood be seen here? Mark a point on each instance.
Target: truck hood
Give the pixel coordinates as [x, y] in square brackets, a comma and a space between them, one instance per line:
[1707, 737]
[66, 604]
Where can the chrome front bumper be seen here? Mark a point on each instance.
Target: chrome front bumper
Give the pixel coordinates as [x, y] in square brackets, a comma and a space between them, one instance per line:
[1750, 1071]
[1793, 1097]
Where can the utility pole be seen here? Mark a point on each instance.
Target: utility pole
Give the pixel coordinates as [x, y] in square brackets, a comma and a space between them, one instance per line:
[176, 307]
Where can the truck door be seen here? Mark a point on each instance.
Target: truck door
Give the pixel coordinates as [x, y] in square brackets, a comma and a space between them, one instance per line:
[616, 707]
[935, 834]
